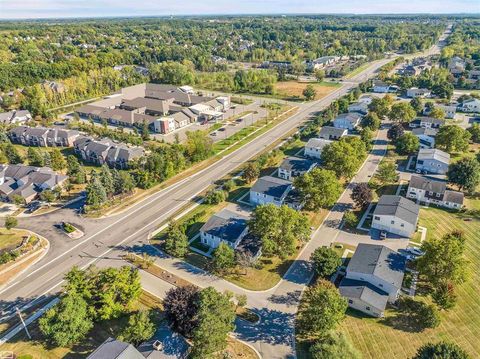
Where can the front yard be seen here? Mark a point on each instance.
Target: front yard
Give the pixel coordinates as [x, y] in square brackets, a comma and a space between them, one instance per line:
[460, 324]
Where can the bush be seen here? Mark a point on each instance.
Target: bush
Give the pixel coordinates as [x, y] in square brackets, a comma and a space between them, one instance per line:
[215, 196]
[351, 219]
[67, 227]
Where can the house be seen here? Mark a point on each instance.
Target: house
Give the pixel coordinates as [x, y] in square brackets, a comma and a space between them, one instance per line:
[315, 146]
[432, 161]
[286, 65]
[426, 136]
[359, 107]
[27, 181]
[410, 70]
[347, 121]
[165, 344]
[427, 122]
[380, 87]
[423, 189]
[456, 63]
[449, 110]
[415, 92]
[471, 105]
[396, 214]
[15, 117]
[106, 151]
[373, 278]
[42, 136]
[270, 189]
[321, 62]
[224, 226]
[332, 133]
[292, 167]
[115, 349]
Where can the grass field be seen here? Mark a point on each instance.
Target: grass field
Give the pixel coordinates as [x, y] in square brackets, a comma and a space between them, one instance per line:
[10, 239]
[460, 324]
[292, 90]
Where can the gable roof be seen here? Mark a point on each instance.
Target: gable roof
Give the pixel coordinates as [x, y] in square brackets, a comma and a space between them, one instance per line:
[427, 184]
[364, 291]
[272, 186]
[422, 131]
[332, 131]
[297, 164]
[351, 117]
[453, 196]
[226, 225]
[400, 207]
[115, 349]
[380, 261]
[319, 143]
[433, 154]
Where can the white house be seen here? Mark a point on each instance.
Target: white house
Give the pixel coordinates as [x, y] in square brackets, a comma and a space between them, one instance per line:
[396, 214]
[426, 136]
[314, 147]
[373, 278]
[359, 106]
[348, 121]
[224, 226]
[15, 117]
[292, 167]
[270, 189]
[472, 105]
[332, 133]
[380, 87]
[415, 92]
[450, 110]
[427, 122]
[427, 190]
[432, 161]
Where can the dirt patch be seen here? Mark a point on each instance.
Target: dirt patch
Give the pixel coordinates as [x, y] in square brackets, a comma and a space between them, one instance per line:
[293, 90]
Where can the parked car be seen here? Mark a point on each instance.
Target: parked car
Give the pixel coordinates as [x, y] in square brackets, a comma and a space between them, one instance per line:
[383, 235]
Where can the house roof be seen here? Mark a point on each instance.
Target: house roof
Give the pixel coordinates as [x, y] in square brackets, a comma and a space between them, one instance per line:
[453, 196]
[364, 291]
[319, 143]
[297, 164]
[272, 186]
[332, 131]
[173, 345]
[380, 261]
[149, 103]
[435, 121]
[400, 207]
[351, 117]
[378, 83]
[427, 184]
[226, 225]
[433, 153]
[422, 131]
[115, 349]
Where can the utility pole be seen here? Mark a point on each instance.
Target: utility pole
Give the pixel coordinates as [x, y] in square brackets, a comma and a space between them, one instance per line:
[23, 323]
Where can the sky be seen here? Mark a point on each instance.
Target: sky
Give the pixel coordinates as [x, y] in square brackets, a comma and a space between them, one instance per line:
[21, 9]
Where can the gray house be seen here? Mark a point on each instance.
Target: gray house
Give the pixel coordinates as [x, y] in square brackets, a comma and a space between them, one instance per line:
[373, 278]
[432, 161]
[42, 136]
[270, 189]
[224, 226]
[396, 214]
[292, 167]
[348, 121]
[428, 190]
[332, 133]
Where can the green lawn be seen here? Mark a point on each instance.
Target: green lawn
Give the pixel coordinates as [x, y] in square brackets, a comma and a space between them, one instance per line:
[460, 325]
[357, 70]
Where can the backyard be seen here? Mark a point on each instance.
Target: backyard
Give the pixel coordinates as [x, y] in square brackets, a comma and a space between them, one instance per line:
[460, 324]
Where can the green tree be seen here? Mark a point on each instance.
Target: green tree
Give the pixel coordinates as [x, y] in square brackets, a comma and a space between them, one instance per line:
[437, 113]
[452, 138]
[199, 145]
[106, 180]
[381, 106]
[309, 92]
[279, 228]
[371, 121]
[96, 193]
[334, 345]
[320, 310]
[34, 157]
[407, 144]
[387, 172]
[465, 174]
[215, 196]
[395, 131]
[57, 162]
[176, 241]
[215, 319]
[12, 154]
[67, 322]
[402, 112]
[139, 329]
[417, 105]
[475, 132]
[250, 172]
[318, 188]
[441, 350]
[444, 294]
[223, 258]
[145, 131]
[344, 157]
[48, 196]
[319, 75]
[350, 219]
[325, 261]
[10, 222]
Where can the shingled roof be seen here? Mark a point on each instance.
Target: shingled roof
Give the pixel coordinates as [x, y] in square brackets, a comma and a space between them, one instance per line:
[400, 207]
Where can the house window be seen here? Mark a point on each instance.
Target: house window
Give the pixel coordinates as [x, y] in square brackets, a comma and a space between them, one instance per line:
[380, 285]
[377, 218]
[402, 225]
[392, 222]
[368, 308]
[350, 301]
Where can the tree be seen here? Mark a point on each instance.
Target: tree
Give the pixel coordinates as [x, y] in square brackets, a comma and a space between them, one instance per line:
[309, 92]
[441, 350]
[407, 144]
[318, 188]
[362, 195]
[325, 261]
[67, 322]
[215, 319]
[223, 258]
[48, 196]
[57, 162]
[139, 329]
[334, 345]
[465, 174]
[444, 294]
[395, 131]
[417, 105]
[452, 138]
[34, 157]
[145, 131]
[215, 196]
[387, 172]
[279, 228]
[350, 219]
[320, 310]
[443, 260]
[402, 112]
[106, 179]
[437, 113]
[176, 241]
[366, 135]
[344, 157]
[10, 222]
[381, 106]
[12, 154]
[199, 145]
[250, 172]
[319, 75]
[75, 171]
[371, 121]
[96, 193]
[475, 132]
[418, 315]
[181, 306]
